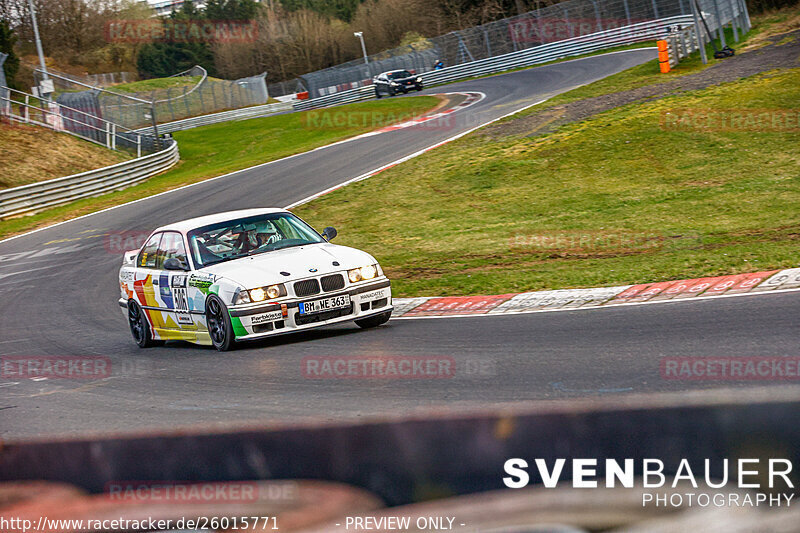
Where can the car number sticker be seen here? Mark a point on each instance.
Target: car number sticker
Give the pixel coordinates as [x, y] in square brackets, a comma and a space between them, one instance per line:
[326, 304]
[181, 305]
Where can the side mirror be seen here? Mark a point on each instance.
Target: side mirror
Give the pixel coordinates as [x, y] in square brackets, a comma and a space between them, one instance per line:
[329, 233]
[173, 263]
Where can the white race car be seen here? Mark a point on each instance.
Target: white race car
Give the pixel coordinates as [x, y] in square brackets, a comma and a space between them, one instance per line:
[247, 274]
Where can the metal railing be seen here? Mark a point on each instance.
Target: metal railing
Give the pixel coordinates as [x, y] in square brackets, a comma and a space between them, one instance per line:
[625, 35]
[24, 108]
[224, 116]
[29, 199]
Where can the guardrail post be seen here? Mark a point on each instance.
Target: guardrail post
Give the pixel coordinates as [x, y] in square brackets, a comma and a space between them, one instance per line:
[27, 108]
[139, 145]
[108, 135]
[113, 136]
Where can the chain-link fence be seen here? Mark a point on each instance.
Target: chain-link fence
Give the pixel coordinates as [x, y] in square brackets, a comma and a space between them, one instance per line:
[570, 19]
[200, 95]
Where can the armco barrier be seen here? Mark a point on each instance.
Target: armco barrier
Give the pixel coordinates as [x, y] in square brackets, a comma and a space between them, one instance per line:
[29, 199]
[243, 113]
[635, 33]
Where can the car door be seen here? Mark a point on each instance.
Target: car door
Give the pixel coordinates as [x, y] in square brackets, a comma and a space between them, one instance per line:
[382, 83]
[172, 283]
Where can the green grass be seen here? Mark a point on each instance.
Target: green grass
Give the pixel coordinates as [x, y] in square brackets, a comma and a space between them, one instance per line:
[156, 83]
[221, 148]
[616, 199]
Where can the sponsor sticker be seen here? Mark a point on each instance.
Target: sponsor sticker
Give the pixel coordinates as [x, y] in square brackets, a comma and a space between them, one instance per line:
[266, 317]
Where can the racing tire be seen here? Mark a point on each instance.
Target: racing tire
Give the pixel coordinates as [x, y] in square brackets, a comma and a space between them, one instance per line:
[374, 321]
[140, 327]
[377, 94]
[219, 324]
[392, 92]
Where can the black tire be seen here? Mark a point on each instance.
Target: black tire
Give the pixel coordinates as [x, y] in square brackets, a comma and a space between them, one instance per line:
[374, 321]
[219, 324]
[392, 92]
[377, 94]
[140, 327]
[420, 88]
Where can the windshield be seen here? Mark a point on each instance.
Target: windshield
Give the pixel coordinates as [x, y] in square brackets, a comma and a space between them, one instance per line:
[399, 74]
[241, 237]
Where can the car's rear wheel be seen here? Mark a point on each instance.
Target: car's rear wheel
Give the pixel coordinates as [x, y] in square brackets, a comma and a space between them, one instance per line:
[374, 321]
[219, 324]
[140, 327]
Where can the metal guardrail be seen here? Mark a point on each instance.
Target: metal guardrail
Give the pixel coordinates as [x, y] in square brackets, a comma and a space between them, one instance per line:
[634, 33]
[28, 199]
[243, 113]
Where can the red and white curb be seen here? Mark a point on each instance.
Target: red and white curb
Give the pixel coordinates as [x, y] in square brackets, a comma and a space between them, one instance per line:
[529, 302]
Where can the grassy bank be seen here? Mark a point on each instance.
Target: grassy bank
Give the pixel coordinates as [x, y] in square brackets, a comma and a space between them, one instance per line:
[217, 149]
[631, 195]
[31, 154]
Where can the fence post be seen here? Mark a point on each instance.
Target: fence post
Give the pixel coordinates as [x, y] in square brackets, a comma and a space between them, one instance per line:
[139, 145]
[597, 16]
[731, 4]
[566, 20]
[113, 136]
[108, 135]
[720, 26]
[701, 43]
[627, 11]
[27, 108]
[655, 10]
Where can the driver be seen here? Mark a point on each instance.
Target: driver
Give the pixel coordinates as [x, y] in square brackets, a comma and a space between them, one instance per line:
[266, 233]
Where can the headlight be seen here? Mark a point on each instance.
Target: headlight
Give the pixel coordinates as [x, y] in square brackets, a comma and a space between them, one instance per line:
[258, 295]
[363, 273]
[242, 297]
[369, 272]
[270, 292]
[419, 80]
[274, 291]
[394, 83]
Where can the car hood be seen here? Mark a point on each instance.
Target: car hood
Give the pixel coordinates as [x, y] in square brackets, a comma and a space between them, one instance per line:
[265, 269]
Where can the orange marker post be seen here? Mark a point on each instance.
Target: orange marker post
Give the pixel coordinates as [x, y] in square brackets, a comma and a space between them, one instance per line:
[663, 56]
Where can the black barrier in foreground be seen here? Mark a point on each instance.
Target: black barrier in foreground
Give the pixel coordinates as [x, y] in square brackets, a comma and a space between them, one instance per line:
[407, 460]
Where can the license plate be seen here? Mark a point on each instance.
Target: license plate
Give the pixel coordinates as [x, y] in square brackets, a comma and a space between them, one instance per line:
[325, 304]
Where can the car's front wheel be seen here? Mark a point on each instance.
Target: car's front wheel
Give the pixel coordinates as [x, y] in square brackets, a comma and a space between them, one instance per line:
[377, 93]
[140, 327]
[374, 321]
[219, 324]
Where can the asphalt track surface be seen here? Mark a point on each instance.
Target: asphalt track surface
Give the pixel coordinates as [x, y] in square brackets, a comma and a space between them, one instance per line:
[58, 296]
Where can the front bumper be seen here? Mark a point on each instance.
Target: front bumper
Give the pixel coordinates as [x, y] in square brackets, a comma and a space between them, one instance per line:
[253, 321]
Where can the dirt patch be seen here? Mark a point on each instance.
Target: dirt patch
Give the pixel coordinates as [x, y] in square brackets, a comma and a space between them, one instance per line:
[774, 56]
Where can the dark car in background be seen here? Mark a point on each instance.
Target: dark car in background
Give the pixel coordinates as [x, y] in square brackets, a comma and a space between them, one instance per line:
[396, 81]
